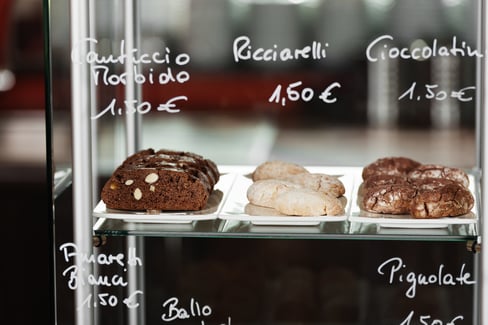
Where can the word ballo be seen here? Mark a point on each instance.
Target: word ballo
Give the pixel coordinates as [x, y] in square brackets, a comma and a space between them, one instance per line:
[173, 311]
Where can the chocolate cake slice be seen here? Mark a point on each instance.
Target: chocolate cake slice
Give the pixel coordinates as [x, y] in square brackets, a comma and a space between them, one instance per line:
[161, 180]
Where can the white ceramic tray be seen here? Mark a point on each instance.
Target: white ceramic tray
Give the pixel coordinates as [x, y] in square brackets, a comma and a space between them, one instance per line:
[210, 212]
[237, 206]
[407, 221]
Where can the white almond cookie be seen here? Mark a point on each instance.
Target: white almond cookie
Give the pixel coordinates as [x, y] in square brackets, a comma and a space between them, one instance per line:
[306, 202]
[327, 184]
[277, 170]
[264, 192]
[256, 210]
[301, 202]
[334, 206]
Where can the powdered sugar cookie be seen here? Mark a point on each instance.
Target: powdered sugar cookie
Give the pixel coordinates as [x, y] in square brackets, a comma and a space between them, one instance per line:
[319, 182]
[277, 170]
[306, 202]
[301, 202]
[264, 192]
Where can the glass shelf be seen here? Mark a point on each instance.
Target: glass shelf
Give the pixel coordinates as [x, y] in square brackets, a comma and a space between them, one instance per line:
[239, 229]
[230, 220]
[62, 180]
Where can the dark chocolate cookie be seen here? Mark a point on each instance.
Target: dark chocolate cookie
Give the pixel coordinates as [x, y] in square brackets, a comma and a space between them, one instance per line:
[389, 199]
[382, 179]
[438, 198]
[399, 166]
[439, 171]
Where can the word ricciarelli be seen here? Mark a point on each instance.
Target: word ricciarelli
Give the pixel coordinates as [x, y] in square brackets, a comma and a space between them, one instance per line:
[244, 50]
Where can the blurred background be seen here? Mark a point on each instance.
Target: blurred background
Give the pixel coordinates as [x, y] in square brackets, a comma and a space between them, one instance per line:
[23, 185]
[367, 121]
[22, 83]
[228, 102]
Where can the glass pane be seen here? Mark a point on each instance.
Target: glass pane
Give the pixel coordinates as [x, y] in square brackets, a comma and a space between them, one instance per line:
[330, 86]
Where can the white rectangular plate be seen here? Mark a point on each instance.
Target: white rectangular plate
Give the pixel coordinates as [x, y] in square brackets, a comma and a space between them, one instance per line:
[237, 206]
[210, 212]
[407, 221]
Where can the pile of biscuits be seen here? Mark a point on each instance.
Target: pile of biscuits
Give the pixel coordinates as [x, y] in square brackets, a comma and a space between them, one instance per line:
[290, 189]
[400, 185]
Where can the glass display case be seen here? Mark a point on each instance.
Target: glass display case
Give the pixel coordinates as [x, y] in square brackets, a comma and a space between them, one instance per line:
[328, 86]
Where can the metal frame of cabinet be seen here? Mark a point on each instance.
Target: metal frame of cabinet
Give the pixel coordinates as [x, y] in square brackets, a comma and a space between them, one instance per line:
[483, 163]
